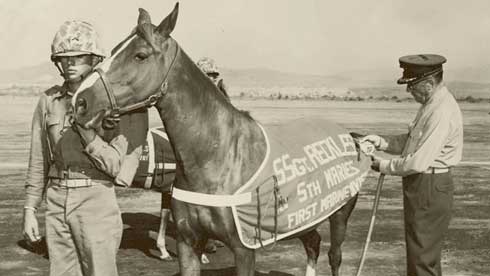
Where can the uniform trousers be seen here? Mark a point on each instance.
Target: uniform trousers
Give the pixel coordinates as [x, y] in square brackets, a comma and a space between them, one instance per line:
[83, 229]
[427, 202]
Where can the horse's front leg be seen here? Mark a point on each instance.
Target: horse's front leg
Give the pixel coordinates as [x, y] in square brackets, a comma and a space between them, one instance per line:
[189, 258]
[338, 228]
[244, 261]
[164, 215]
[311, 242]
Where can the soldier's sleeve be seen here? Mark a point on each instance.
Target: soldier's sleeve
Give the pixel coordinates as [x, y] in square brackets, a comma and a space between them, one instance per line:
[108, 157]
[135, 127]
[36, 177]
[120, 157]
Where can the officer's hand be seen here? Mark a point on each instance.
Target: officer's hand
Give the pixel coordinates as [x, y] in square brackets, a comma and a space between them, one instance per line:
[31, 227]
[376, 140]
[375, 163]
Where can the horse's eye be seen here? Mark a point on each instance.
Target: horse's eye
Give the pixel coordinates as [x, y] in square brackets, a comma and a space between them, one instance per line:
[141, 56]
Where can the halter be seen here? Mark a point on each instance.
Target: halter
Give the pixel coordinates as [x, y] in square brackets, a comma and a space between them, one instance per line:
[147, 103]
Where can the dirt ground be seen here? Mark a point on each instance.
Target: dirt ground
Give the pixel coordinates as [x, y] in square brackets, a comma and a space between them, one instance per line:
[466, 249]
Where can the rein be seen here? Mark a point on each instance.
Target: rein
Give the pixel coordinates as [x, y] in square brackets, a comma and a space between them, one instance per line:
[147, 103]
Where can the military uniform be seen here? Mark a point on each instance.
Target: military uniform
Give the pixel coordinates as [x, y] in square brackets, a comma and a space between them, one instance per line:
[432, 146]
[83, 221]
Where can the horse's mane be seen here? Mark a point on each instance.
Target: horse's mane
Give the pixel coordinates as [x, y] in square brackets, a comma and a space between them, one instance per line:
[246, 113]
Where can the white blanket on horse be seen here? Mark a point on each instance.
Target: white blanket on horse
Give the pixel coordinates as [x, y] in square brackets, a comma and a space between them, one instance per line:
[311, 169]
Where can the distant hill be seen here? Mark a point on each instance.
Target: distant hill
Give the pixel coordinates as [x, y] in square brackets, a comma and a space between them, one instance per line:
[379, 82]
[44, 73]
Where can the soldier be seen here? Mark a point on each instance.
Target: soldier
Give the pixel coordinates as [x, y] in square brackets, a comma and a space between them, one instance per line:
[432, 146]
[75, 169]
[209, 67]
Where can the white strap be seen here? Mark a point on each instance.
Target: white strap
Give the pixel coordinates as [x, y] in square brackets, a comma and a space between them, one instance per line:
[151, 152]
[211, 200]
[151, 159]
[159, 133]
[166, 166]
[148, 181]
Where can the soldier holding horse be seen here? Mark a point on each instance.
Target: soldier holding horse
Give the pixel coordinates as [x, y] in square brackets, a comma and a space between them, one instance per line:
[76, 168]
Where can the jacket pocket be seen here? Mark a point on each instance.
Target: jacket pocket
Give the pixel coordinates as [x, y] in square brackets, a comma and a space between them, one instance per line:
[53, 128]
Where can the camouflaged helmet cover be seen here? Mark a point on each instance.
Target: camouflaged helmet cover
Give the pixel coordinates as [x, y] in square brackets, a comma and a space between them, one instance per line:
[76, 38]
[208, 66]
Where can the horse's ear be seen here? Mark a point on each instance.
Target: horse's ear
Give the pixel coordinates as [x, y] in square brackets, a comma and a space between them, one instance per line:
[145, 28]
[144, 17]
[168, 24]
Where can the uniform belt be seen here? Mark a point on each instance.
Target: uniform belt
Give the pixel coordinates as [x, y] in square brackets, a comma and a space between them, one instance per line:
[436, 170]
[78, 174]
[72, 183]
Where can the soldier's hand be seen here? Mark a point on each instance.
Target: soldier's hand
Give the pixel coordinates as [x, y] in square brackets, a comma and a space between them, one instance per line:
[378, 141]
[111, 121]
[31, 227]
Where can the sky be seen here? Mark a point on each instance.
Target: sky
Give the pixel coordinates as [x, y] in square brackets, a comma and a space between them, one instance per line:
[322, 37]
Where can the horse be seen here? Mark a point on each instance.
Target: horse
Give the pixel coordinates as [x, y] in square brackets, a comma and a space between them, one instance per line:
[217, 147]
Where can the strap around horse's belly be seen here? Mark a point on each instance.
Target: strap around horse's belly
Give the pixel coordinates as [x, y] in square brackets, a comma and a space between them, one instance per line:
[211, 200]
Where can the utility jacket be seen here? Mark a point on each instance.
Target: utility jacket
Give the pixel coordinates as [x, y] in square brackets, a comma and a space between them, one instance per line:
[57, 150]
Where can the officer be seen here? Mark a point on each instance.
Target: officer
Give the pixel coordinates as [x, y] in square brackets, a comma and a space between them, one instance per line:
[208, 66]
[75, 169]
[427, 153]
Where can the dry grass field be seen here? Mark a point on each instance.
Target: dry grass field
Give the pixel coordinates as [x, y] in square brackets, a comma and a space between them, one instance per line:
[467, 247]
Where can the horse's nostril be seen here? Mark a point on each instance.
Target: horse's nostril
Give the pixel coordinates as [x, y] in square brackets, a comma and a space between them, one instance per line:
[81, 106]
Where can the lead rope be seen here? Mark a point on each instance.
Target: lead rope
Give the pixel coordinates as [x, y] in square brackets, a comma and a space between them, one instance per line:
[275, 192]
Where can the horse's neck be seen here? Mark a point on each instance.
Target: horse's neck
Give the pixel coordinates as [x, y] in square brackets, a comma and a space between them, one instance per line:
[217, 146]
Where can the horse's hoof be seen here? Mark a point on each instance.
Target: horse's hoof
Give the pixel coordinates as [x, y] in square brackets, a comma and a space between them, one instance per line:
[167, 258]
[210, 247]
[219, 243]
[204, 259]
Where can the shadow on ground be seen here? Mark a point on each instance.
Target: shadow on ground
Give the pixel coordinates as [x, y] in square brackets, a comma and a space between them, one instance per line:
[136, 234]
[230, 271]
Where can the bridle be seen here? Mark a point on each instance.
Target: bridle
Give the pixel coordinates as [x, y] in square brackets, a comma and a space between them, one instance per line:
[147, 103]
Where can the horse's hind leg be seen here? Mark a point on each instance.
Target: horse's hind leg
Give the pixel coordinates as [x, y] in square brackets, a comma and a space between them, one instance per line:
[311, 242]
[164, 215]
[166, 198]
[338, 227]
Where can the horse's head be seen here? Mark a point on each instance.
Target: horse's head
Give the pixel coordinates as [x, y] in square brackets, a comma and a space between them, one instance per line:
[132, 77]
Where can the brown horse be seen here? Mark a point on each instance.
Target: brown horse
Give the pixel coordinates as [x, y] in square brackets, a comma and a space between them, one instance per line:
[217, 147]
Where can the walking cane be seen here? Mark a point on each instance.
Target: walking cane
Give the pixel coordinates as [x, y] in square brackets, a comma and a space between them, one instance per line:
[371, 223]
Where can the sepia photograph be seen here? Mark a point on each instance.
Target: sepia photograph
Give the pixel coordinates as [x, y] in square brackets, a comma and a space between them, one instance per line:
[244, 137]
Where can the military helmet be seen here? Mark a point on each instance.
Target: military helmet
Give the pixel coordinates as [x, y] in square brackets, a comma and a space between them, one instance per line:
[208, 66]
[76, 38]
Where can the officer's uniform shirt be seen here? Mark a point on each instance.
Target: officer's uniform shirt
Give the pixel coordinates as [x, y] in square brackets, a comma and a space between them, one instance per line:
[435, 138]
